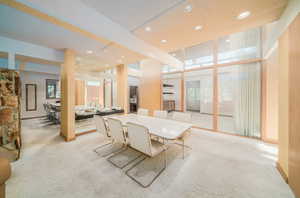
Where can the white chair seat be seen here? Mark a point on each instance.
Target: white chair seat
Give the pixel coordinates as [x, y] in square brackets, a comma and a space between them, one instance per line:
[157, 147]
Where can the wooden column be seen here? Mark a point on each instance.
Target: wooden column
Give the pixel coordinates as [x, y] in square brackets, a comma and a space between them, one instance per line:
[68, 96]
[80, 92]
[182, 93]
[294, 106]
[215, 88]
[283, 102]
[150, 85]
[122, 87]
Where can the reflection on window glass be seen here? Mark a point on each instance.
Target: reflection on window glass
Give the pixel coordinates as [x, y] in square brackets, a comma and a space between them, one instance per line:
[135, 66]
[52, 89]
[199, 55]
[168, 68]
[94, 93]
[239, 46]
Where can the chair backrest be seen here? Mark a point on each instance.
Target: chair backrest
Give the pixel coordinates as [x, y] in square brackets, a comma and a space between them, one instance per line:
[139, 138]
[143, 112]
[160, 114]
[116, 130]
[100, 124]
[180, 116]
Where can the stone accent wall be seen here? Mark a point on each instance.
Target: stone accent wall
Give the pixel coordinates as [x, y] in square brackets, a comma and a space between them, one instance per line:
[10, 127]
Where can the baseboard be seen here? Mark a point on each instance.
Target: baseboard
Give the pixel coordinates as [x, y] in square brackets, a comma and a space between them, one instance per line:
[271, 141]
[28, 118]
[282, 173]
[86, 132]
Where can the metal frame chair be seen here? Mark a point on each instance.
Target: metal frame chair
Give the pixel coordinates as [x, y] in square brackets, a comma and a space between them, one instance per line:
[103, 129]
[118, 135]
[143, 112]
[183, 117]
[160, 114]
[139, 138]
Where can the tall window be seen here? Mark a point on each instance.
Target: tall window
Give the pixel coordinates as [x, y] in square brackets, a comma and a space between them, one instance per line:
[239, 46]
[199, 55]
[237, 107]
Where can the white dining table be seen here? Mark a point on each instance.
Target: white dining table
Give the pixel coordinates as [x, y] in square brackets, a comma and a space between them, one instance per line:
[164, 128]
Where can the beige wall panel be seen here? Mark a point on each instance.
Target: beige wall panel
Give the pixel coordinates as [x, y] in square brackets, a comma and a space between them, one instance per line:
[79, 92]
[150, 85]
[122, 87]
[283, 115]
[294, 106]
[272, 97]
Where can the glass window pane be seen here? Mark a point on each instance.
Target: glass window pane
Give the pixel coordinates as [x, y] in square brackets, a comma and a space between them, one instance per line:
[239, 46]
[199, 55]
[239, 99]
[135, 66]
[199, 97]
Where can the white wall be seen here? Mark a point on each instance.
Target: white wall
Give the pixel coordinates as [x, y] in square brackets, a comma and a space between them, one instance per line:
[28, 77]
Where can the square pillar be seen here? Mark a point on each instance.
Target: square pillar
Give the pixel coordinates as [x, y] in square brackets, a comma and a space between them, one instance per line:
[68, 96]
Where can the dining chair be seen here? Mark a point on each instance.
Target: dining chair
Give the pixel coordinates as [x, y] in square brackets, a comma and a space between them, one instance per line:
[140, 140]
[160, 114]
[102, 129]
[117, 133]
[143, 112]
[183, 117]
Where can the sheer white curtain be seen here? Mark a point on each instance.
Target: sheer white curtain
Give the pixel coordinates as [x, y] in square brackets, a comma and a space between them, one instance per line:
[247, 99]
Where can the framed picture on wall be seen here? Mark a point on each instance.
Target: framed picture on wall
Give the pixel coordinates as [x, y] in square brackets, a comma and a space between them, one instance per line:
[51, 88]
[31, 103]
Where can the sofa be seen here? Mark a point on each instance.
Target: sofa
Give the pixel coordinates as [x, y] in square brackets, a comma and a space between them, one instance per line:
[5, 172]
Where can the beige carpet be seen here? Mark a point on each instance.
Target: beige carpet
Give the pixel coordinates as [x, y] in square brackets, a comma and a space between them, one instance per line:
[218, 166]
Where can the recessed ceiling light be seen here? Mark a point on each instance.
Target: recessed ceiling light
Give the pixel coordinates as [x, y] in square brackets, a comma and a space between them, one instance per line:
[198, 27]
[163, 41]
[227, 40]
[89, 51]
[243, 15]
[122, 56]
[188, 8]
[148, 29]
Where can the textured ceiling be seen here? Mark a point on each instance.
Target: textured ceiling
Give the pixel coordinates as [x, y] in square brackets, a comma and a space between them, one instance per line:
[217, 17]
[132, 13]
[167, 18]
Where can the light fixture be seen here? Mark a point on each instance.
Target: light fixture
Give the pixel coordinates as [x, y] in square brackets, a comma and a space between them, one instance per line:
[89, 51]
[148, 29]
[243, 15]
[227, 40]
[188, 8]
[163, 41]
[198, 27]
[122, 56]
